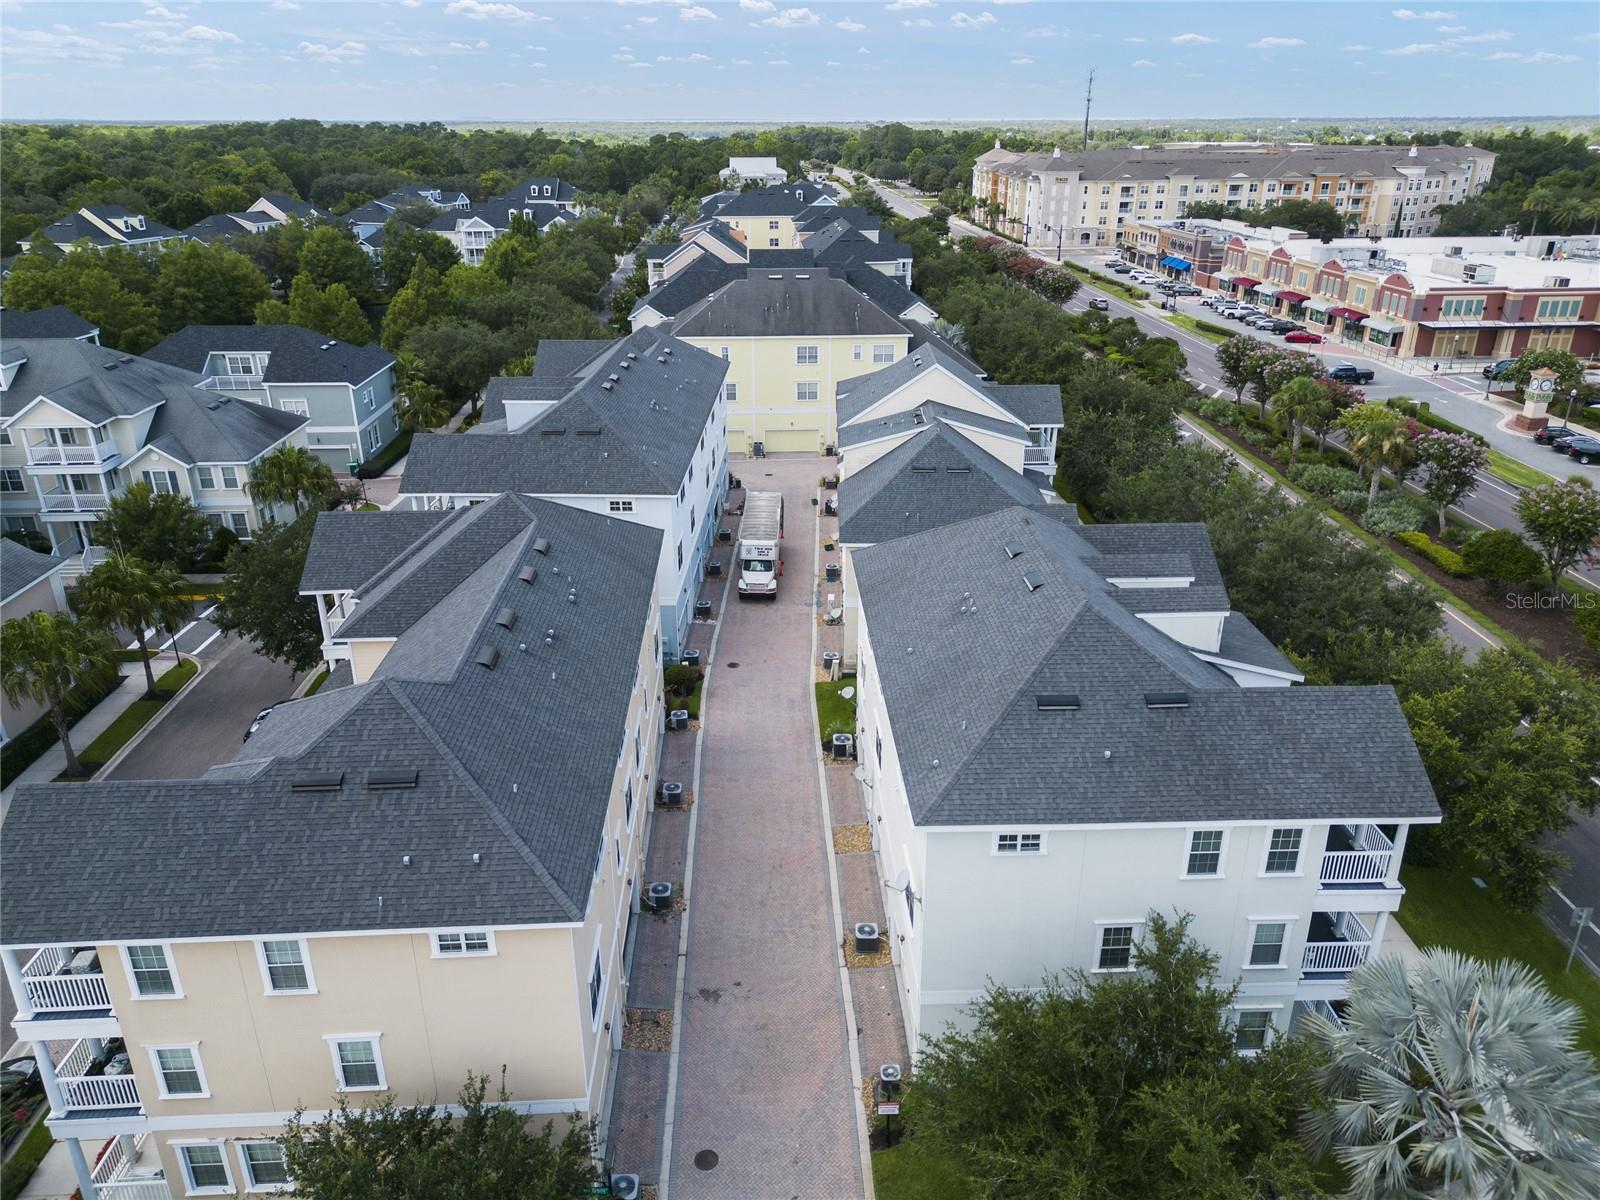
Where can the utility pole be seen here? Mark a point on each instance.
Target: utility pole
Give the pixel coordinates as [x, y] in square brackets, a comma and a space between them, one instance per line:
[1088, 97]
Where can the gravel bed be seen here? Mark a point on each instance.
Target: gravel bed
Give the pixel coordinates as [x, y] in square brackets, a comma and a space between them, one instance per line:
[648, 1029]
[855, 961]
[852, 839]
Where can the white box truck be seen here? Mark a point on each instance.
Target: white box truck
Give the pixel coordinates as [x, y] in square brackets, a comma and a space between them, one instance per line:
[761, 544]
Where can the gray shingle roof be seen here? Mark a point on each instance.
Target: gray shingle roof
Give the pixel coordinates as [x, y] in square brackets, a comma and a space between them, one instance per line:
[293, 206]
[936, 477]
[515, 764]
[296, 355]
[1243, 642]
[786, 304]
[943, 610]
[873, 428]
[779, 200]
[638, 437]
[21, 567]
[203, 427]
[883, 290]
[923, 335]
[690, 286]
[351, 547]
[57, 321]
[857, 394]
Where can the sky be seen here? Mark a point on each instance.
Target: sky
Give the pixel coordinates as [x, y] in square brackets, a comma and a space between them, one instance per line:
[760, 60]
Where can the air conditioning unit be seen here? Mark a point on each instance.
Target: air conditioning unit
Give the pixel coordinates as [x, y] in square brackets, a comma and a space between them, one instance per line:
[702, 610]
[844, 746]
[714, 566]
[678, 719]
[658, 897]
[625, 1187]
[672, 795]
[889, 1078]
[830, 659]
[691, 658]
[866, 935]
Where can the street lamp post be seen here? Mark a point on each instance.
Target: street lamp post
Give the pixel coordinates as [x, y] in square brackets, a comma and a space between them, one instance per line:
[1572, 397]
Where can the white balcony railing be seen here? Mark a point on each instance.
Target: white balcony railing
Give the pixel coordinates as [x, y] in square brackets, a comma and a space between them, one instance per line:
[233, 383]
[48, 454]
[1037, 456]
[1334, 956]
[1356, 866]
[85, 1092]
[134, 1189]
[51, 991]
[113, 1177]
[60, 500]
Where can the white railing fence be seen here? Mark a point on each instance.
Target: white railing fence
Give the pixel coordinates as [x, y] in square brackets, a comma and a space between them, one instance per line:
[114, 1159]
[45, 961]
[77, 1061]
[67, 993]
[1355, 866]
[1334, 956]
[100, 1091]
[134, 1189]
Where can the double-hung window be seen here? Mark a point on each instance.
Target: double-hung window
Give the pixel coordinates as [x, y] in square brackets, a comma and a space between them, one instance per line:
[467, 941]
[805, 390]
[162, 482]
[208, 481]
[205, 1170]
[150, 968]
[1205, 854]
[1019, 843]
[374, 438]
[1266, 943]
[369, 398]
[1252, 1030]
[11, 480]
[357, 1065]
[286, 965]
[855, 352]
[806, 355]
[178, 1071]
[1116, 948]
[265, 1168]
[240, 523]
[1283, 852]
[883, 352]
[230, 478]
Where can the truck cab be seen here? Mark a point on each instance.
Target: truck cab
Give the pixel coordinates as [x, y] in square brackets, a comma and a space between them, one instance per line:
[760, 549]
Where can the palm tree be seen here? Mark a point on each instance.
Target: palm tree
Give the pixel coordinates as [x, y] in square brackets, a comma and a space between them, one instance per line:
[1539, 201]
[290, 475]
[42, 655]
[1591, 214]
[130, 593]
[1378, 439]
[424, 407]
[1569, 210]
[1457, 1078]
[1299, 400]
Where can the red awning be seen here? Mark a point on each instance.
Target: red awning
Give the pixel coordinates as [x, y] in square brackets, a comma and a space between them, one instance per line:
[1292, 297]
[1244, 281]
[1353, 316]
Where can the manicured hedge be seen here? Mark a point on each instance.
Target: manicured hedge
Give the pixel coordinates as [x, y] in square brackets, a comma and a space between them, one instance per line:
[387, 457]
[1446, 559]
[1211, 327]
[1423, 415]
[22, 751]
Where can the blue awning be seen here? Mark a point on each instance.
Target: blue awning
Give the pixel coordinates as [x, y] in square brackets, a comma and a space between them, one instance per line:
[1177, 264]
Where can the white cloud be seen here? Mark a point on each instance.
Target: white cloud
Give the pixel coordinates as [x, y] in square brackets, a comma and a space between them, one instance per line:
[1024, 61]
[1415, 48]
[205, 33]
[919, 23]
[159, 12]
[1143, 62]
[1045, 31]
[962, 20]
[1191, 39]
[849, 26]
[1539, 56]
[696, 12]
[1276, 43]
[998, 3]
[639, 67]
[862, 50]
[41, 45]
[696, 57]
[831, 63]
[1432, 14]
[902, 5]
[342, 53]
[411, 52]
[646, 20]
[411, 3]
[757, 5]
[777, 62]
[741, 62]
[1357, 48]
[1497, 35]
[286, 5]
[1452, 29]
[793, 18]
[1137, 41]
[623, 55]
[477, 10]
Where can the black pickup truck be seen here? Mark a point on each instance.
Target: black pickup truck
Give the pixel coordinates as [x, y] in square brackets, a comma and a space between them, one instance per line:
[1345, 373]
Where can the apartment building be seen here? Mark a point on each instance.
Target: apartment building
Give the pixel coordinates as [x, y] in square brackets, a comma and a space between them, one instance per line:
[1078, 198]
[635, 429]
[788, 337]
[80, 422]
[346, 393]
[1033, 798]
[101, 226]
[426, 869]
[472, 230]
[748, 169]
[1428, 298]
[764, 218]
[30, 582]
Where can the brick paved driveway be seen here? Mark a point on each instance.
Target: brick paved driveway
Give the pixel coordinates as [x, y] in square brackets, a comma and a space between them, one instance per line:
[764, 1078]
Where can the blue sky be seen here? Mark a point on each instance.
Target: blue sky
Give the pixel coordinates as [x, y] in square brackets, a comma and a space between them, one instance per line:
[763, 61]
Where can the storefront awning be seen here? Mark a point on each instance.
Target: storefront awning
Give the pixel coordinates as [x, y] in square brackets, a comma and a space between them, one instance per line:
[1384, 325]
[1244, 281]
[1267, 290]
[1292, 297]
[1319, 304]
[1509, 324]
[1353, 316]
[1176, 263]
[1224, 280]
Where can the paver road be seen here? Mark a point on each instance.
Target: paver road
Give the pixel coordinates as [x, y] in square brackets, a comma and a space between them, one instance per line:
[764, 1079]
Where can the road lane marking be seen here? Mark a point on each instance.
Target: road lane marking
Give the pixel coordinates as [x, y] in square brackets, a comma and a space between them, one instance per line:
[196, 651]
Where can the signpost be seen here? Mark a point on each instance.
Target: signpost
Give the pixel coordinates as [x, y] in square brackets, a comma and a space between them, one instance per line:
[1580, 918]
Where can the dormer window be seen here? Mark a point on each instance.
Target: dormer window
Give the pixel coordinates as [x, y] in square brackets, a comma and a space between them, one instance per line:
[547, 189]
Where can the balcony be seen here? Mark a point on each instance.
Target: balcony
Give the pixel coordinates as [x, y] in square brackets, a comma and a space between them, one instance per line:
[54, 454]
[233, 383]
[1356, 856]
[64, 500]
[1038, 456]
[124, 1171]
[1326, 1009]
[96, 1079]
[1336, 944]
[64, 981]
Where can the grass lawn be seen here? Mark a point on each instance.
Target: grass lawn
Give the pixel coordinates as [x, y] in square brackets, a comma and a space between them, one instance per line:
[909, 1172]
[1509, 469]
[131, 656]
[322, 678]
[835, 714]
[1443, 907]
[133, 718]
[1194, 327]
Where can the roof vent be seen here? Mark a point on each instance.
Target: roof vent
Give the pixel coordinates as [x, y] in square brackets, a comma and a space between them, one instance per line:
[213, 406]
[109, 366]
[633, 354]
[1166, 699]
[392, 777]
[1013, 549]
[924, 470]
[528, 574]
[505, 618]
[541, 545]
[614, 377]
[625, 364]
[553, 430]
[661, 358]
[317, 781]
[487, 657]
[588, 432]
[126, 358]
[1057, 701]
[917, 418]
[668, 351]
[1033, 584]
[607, 386]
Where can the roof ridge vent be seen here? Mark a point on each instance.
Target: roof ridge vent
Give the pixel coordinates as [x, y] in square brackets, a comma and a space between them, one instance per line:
[1033, 584]
[614, 377]
[391, 777]
[487, 657]
[541, 545]
[607, 386]
[317, 781]
[1166, 699]
[1013, 549]
[1057, 702]
[528, 574]
[625, 364]
[505, 618]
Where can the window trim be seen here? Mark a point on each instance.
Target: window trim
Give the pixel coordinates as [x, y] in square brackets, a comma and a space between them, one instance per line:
[1300, 854]
[811, 383]
[189, 1186]
[266, 975]
[207, 478]
[161, 1076]
[1188, 851]
[433, 942]
[244, 1166]
[1255, 923]
[996, 851]
[802, 351]
[1136, 924]
[375, 1040]
[133, 980]
[1271, 1010]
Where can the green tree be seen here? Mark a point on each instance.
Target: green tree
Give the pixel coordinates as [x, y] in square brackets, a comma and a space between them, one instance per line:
[129, 593]
[290, 475]
[164, 528]
[261, 595]
[332, 256]
[424, 406]
[1182, 484]
[42, 655]
[1457, 1078]
[1452, 462]
[206, 285]
[1502, 558]
[1563, 520]
[404, 246]
[332, 311]
[1234, 357]
[1540, 202]
[489, 1152]
[1568, 369]
[458, 356]
[1097, 1087]
[1378, 439]
[1298, 400]
[421, 300]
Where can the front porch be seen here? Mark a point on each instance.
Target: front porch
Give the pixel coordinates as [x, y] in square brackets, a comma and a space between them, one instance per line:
[1336, 944]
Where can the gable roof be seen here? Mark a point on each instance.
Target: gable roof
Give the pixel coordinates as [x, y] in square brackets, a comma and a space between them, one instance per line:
[936, 477]
[945, 605]
[887, 292]
[350, 547]
[779, 200]
[222, 226]
[689, 286]
[292, 206]
[872, 429]
[21, 567]
[296, 355]
[857, 394]
[786, 303]
[637, 436]
[57, 321]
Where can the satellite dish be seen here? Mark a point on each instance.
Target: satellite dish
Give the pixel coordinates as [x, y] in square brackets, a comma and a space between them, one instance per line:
[901, 881]
[859, 774]
[847, 693]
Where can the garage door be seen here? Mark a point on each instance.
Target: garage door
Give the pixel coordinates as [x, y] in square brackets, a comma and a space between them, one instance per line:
[808, 441]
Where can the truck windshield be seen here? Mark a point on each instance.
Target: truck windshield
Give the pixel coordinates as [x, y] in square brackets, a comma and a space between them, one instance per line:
[756, 565]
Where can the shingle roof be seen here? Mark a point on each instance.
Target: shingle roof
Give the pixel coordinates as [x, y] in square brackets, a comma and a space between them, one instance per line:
[859, 393]
[204, 427]
[936, 477]
[942, 610]
[57, 321]
[351, 547]
[293, 206]
[637, 437]
[515, 764]
[22, 567]
[789, 199]
[906, 419]
[923, 335]
[216, 227]
[690, 286]
[75, 227]
[296, 355]
[883, 290]
[819, 215]
[786, 304]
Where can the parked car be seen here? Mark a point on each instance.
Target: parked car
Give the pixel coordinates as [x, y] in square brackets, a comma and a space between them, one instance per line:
[1558, 442]
[1304, 337]
[1350, 373]
[1100, 303]
[1210, 301]
[1185, 289]
[261, 719]
[1497, 369]
[1553, 433]
[1584, 448]
[19, 1072]
[1122, 268]
[1263, 322]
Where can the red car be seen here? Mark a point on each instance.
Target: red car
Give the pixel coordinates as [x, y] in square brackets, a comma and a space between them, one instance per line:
[1303, 335]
